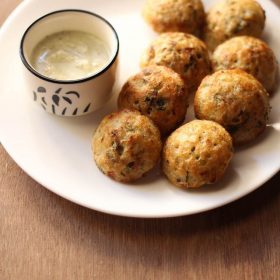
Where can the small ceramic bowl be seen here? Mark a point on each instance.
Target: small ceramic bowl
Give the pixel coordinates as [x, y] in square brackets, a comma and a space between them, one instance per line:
[70, 97]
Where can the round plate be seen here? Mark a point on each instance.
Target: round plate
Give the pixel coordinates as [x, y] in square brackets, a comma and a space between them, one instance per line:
[56, 152]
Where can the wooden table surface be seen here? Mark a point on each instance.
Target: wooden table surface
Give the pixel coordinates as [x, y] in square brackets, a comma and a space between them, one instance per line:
[43, 236]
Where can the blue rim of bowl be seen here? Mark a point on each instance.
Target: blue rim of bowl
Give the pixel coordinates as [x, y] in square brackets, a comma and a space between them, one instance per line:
[88, 78]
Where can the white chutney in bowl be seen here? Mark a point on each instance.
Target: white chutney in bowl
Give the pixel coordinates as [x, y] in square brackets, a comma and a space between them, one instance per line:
[69, 59]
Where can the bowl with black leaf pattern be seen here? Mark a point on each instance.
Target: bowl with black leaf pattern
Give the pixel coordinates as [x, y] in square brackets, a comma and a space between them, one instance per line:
[73, 96]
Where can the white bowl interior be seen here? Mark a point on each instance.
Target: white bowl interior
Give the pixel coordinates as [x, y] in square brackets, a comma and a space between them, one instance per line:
[69, 21]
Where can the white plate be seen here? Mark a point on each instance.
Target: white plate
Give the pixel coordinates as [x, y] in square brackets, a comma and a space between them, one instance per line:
[56, 152]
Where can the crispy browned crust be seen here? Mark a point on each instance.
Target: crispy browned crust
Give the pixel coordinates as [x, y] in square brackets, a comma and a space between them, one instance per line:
[184, 53]
[251, 55]
[230, 18]
[237, 101]
[126, 145]
[175, 15]
[197, 154]
[159, 93]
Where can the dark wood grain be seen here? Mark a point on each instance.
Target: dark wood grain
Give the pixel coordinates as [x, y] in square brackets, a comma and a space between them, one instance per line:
[43, 236]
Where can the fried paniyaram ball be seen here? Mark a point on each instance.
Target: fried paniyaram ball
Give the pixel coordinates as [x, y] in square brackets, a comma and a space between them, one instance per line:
[196, 154]
[126, 145]
[230, 18]
[175, 15]
[251, 55]
[184, 53]
[159, 93]
[237, 101]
